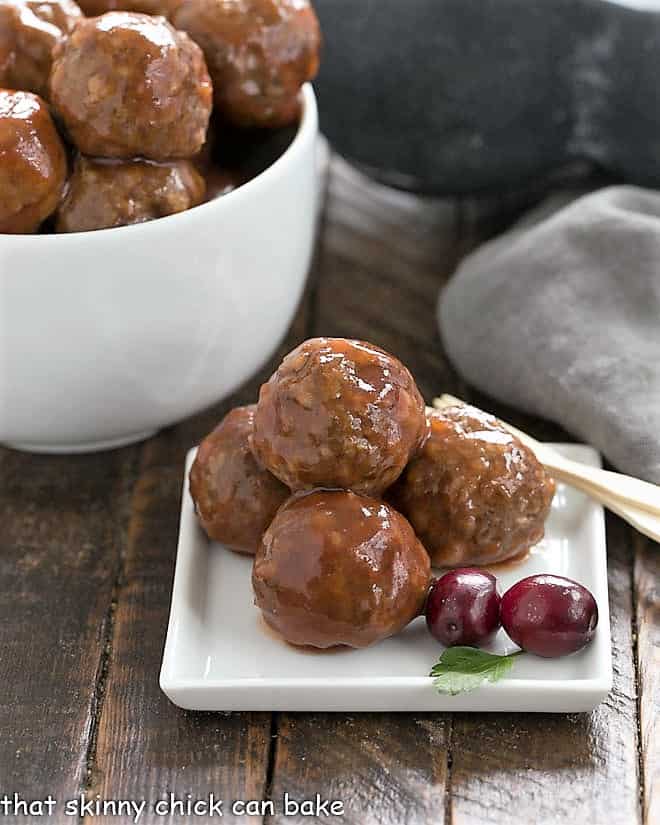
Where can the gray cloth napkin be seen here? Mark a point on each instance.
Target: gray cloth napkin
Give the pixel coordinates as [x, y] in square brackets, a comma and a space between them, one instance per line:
[561, 317]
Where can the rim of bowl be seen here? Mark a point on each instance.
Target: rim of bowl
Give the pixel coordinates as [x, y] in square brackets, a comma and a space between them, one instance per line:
[307, 129]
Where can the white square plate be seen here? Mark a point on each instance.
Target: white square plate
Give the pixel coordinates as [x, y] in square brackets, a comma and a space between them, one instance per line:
[219, 654]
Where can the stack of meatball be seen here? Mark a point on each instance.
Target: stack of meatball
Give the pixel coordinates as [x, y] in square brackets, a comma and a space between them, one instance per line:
[103, 118]
[347, 489]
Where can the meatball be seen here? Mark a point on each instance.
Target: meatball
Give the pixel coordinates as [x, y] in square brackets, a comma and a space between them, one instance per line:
[105, 193]
[128, 85]
[94, 8]
[474, 494]
[235, 499]
[259, 53]
[32, 162]
[29, 31]
[336, 568]
[338, 413]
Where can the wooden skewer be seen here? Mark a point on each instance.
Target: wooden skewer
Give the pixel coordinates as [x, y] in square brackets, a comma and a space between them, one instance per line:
[634, 500]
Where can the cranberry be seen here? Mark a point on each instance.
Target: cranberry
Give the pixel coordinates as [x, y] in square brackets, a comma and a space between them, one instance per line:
[463, 607]
[549, 615]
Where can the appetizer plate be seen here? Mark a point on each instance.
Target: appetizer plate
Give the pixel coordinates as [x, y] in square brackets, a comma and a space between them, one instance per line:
[220, 655]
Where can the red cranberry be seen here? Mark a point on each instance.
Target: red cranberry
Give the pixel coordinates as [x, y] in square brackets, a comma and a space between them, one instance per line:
[463, 607]
[549, 615]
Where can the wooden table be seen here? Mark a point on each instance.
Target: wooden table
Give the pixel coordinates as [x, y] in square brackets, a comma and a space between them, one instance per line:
[87, 556]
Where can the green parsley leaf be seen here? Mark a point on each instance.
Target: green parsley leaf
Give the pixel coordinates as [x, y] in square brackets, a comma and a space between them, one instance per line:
[462, 669]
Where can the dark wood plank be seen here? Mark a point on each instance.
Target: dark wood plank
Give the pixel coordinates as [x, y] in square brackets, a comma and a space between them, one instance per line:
[63, 529]
[556, 768]
[384, 256]
[385, 769]
[647, 620]
[145, 747]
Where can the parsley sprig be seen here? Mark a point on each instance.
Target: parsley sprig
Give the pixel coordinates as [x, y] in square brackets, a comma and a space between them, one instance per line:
[462, 669]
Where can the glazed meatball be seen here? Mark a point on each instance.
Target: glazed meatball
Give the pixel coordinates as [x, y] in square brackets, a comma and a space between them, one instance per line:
[105, 193]
[94, 8]
[29, 31]
[234, 498]
[129, 85]
[32, 162]
[336, 568]
[338, 413]
[259, 53]
[474, 494]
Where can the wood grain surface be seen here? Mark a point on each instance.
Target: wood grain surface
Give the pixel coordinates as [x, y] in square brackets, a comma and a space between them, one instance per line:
[87, 552]
[63, 528]
[647, 626]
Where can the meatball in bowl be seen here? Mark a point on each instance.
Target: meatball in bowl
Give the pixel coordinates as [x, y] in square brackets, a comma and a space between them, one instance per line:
[153, 288]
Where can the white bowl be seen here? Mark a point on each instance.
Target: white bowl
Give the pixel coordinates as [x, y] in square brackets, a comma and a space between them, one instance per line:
[107, 336]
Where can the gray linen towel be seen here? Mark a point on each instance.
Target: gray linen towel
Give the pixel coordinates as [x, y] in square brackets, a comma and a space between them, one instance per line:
[561, 317]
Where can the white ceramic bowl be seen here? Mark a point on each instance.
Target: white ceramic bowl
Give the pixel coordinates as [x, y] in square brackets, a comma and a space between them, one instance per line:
[107, 336]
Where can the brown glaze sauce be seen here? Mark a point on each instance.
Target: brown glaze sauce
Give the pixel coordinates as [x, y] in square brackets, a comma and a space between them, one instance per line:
[308, 650]
[235, 498]
[496, 568]
[510, 564]
[474, 494]
[32, 162]
[228, 163]
[259, 53]
[338, 413]
[338, 568]
[127, 85]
